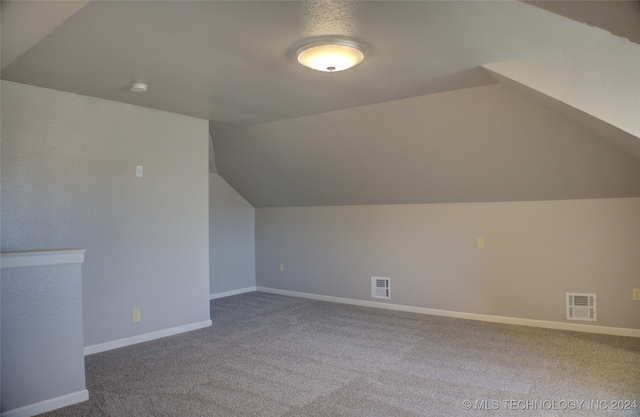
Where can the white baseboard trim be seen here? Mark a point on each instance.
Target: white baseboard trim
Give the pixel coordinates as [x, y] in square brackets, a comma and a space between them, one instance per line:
[585, 328]
[48, 405]
[233, 292]
[114, 344]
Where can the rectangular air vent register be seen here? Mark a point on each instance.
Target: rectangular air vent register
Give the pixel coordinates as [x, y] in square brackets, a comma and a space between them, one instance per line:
[381, 287]
[581, 306]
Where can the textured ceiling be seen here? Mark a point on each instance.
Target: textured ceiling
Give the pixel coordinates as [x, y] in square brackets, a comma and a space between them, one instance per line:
[232, 62]
[621, 18]
[419, 121]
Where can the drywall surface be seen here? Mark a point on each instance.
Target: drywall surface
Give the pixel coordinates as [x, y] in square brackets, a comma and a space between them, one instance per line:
[42, 347]
[231, 238]
[481, 144]
[69, 180]
[43, 18]
[609, 90]
[534, 253]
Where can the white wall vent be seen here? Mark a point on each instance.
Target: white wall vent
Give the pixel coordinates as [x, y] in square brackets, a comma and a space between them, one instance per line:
[381, 287]
[581, 306]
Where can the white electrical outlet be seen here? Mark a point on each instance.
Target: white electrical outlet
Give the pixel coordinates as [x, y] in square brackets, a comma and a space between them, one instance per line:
[480, 242]
[139, 171]
[636, 294]
[280, 267]
[135, 315]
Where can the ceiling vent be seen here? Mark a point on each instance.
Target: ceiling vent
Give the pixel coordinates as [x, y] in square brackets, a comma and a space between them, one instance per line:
[581, 306]
[381, 287]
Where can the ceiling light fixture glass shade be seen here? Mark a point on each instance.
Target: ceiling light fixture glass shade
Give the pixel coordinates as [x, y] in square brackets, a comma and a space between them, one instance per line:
[331, 55]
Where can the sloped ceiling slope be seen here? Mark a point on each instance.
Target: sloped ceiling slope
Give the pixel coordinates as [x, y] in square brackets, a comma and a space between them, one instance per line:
[575, 133]
[233, 63]
[447, 107]
[487, 143]
[618, 17]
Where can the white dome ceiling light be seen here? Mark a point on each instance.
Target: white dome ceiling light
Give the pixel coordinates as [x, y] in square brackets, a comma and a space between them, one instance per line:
[330, 55]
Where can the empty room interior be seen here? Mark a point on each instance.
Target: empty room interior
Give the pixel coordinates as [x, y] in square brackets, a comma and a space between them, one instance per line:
[320, 208]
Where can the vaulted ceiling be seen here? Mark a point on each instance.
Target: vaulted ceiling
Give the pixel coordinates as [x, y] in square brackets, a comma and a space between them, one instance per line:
[456, 101]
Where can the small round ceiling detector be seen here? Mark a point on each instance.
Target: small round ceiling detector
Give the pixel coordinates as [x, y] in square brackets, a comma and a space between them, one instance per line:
[138, 88]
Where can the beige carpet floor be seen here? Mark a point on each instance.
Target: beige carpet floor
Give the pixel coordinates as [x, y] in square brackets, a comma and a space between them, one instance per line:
[273, 356]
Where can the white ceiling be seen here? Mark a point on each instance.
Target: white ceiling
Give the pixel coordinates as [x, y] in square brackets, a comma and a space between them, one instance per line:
[231, 61]
[286, 135]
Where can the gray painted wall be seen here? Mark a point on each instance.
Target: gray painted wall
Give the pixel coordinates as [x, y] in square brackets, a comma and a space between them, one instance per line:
[231, 238]
[534, 253]
[69, 180]
[42, 355]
